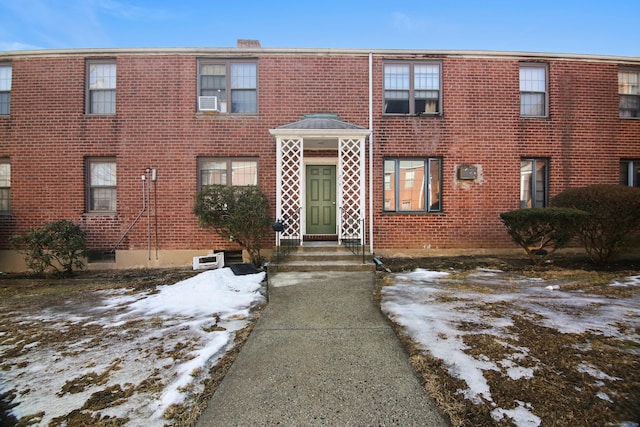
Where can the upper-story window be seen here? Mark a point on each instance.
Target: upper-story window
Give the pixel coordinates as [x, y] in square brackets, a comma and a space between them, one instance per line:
[227, 171]
[101, 87]
[533, 90]
[101, 184]
[412, 88]
[629, 91]
[5, 186]
[5, 89]
[228, 86]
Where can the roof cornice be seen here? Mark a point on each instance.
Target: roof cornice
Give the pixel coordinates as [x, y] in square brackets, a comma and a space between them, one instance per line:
[258, 52]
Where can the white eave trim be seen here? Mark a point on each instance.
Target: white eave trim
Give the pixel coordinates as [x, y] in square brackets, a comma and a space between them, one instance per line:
[320, 133]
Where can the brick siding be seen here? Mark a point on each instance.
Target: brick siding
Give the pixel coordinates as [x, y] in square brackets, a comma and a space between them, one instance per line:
[48, 136]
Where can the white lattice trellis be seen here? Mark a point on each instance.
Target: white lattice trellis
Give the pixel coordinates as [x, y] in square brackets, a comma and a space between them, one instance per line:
[351, 188]
[289, 186]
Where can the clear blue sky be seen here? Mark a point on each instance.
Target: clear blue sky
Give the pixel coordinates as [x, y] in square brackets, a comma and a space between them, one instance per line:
[609, 27]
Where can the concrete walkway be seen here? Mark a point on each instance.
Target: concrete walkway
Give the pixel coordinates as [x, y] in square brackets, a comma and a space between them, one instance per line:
[321, 354]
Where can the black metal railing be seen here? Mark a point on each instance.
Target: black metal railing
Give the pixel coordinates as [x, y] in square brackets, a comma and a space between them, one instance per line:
[354, 242]
[287, 244]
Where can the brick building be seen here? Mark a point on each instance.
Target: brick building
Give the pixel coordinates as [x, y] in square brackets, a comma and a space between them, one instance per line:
[410, 151]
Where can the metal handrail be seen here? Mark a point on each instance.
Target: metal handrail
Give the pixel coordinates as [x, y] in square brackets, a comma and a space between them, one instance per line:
[291, 242]
[356, 244]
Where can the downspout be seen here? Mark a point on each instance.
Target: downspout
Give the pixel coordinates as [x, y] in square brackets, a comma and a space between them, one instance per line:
[371, 152]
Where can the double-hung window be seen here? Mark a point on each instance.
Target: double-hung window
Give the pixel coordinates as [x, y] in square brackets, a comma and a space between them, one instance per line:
[534, 183]
[413, 185]
[101, 184]
[5, 89]
[227, 171]
[533, 90]
[228, 86]
[412, 88]
[5, 186]
[101, 87]
[629, 92]
[630, 173]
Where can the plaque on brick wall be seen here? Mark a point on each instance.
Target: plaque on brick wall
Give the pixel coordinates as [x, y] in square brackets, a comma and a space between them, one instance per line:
[467, 172]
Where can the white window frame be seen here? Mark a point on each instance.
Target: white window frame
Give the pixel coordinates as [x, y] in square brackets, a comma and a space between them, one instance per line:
[5, 186]
[529, 88]
[99, 85]
[91, 186]
[629, 92]
[6, 71]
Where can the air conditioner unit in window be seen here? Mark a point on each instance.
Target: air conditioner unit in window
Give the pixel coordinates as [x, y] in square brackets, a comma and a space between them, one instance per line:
[208, 103]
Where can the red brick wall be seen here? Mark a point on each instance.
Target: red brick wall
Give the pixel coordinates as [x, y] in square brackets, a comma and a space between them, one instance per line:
[583, 137]
[48, 136]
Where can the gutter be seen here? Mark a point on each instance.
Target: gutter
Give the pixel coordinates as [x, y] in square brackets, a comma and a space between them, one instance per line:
[370, 153]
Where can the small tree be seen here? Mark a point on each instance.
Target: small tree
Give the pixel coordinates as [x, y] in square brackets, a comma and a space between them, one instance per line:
[542, 231]
[59, 246]
[614, 219]
[235, 213]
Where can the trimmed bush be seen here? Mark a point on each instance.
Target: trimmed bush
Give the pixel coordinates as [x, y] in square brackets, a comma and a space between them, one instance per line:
[59, 246]
[542, 231]
[614, 219]
[237, 214]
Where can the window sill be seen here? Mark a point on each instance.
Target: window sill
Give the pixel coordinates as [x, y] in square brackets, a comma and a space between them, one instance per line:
[412, 212]
[228, 116]
[533, 117]
[110, 214]
[630, 118]
[428, 115]
[106, 116]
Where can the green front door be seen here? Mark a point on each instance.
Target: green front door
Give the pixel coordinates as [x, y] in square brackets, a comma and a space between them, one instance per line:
[321, 199]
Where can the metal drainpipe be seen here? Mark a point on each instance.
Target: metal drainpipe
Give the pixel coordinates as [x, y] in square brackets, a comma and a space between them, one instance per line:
[370, 152]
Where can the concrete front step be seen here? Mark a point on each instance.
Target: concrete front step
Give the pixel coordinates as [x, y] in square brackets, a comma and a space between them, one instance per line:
[323, 257]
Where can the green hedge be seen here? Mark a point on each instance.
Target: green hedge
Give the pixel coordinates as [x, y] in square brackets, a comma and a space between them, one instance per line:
[59, 246]
[614, 217]
[542, 231]
[239, 214]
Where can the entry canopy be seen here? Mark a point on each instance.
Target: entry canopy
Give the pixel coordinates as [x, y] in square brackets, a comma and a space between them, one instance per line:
[320, 131]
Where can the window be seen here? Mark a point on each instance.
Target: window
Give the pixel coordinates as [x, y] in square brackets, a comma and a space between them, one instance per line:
[629, 92]
[233, 84]
[533, 90]
[101, 185]
[101, 93]
[5, 186]
[412, 185]
[412, 88]
[534, 183]
[5, 89]
[630, 173]
[222, 171]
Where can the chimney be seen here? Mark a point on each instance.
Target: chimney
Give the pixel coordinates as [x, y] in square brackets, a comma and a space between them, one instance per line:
[248, 44]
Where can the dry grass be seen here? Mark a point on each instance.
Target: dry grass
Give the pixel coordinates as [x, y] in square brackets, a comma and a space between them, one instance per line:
[32, 294]
[559, 392]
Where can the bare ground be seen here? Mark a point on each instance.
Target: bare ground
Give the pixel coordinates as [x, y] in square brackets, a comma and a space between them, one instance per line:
[31, 294]
[560, 393]
[556, 395]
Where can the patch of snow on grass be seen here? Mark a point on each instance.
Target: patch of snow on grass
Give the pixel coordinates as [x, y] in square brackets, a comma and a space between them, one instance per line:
[437, 315]
[160, 345]
[521, 415]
